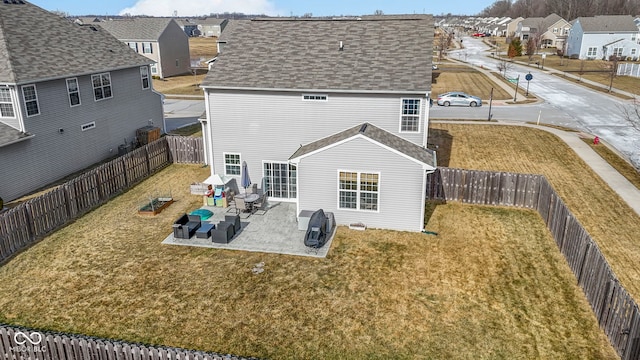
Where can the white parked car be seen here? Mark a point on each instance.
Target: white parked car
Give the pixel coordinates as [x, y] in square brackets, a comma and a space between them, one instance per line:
[458, 98]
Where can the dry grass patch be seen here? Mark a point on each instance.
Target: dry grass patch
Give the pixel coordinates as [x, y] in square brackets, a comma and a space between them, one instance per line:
[609, 220]
[181, 85]
[470, 81]
[622, 166]
[206, 47]
[491, 285]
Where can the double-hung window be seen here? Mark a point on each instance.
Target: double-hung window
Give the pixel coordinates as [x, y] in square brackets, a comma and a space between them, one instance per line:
[358, 190]
[592, 51]
[410, 117]
[74, 92]
[618, 51]
[101, 86]
[144, 75]
[30, 97]
[133, 45]
[6, 104]
[231, 164]
[147, 48]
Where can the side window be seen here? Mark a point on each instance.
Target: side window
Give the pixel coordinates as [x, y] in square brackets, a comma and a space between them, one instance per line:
[30, 97]
[74, 92]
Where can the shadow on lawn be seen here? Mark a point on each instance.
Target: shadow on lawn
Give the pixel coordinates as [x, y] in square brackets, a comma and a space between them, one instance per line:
[440, 141]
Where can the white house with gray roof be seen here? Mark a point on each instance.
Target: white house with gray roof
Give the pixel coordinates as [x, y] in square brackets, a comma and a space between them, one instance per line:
[69, 96]
[327, 113]
[601, 37]
[160, 39]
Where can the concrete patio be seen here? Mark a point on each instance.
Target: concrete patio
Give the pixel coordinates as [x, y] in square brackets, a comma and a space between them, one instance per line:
[274, 232]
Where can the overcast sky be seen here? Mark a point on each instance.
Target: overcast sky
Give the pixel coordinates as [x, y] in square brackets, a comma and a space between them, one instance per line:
[268, 7]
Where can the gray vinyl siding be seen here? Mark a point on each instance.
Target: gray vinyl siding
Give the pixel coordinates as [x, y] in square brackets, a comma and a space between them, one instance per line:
[174, 44]
[400, 185]
[51, 155]
[273, 125]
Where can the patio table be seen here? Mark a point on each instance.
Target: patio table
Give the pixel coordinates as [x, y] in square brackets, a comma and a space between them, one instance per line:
[204, 232]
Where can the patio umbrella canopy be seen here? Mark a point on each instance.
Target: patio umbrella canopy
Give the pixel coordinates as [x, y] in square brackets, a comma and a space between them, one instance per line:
[245, 181]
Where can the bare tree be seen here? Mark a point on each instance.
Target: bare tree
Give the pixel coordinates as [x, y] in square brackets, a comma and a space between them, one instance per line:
[632, 113]
[531, 48]
[378, 12]
[503, 66]
[444, 41]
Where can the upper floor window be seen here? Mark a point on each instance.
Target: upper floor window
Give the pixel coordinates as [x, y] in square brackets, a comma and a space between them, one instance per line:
[133, 45]
[147, 48]
[30, 100]
[231, 164]
[101, 86]
[410, 116]
[6, 105]
[592, 51]
[144, 75]
[314, 97]
[633, 37]
[555, 30]
[74, 92]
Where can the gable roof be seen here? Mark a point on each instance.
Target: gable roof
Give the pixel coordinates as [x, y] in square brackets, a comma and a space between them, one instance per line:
[37, 45]
[380, 54]
[378, 135]
[137, 29]
[608, 23]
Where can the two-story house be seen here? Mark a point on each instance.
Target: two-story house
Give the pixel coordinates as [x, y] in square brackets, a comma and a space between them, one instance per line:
[211, 26]
[159, 39]
[601, 37]
[327, 113]
[70, 94]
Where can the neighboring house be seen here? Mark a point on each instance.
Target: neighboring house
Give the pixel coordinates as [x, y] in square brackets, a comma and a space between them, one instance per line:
[212, 26]
[189, 26]
[556, 33]
[159, 39]
[327, 113]
[67, 100]
[512, 26]
[601, 37]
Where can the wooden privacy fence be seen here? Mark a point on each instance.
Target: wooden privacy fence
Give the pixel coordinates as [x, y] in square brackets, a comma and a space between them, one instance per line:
[617, 312]
[24, 224]
[23, 344]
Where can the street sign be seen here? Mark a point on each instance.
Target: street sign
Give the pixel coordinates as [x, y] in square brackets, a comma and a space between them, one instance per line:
[528, 77]
[514, 80]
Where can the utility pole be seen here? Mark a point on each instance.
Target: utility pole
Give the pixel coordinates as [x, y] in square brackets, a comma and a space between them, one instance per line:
[490, 103]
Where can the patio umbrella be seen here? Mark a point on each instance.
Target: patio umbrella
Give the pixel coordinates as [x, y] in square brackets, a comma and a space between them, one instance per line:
[245, 181]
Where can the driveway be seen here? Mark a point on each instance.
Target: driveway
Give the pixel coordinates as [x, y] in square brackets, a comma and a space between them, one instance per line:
[565, 104]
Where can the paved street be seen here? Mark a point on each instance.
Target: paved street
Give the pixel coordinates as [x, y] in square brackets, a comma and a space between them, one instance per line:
[179, 113]
[564, 103]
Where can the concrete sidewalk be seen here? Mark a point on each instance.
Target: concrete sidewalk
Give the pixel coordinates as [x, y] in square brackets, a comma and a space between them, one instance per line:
[625, 189]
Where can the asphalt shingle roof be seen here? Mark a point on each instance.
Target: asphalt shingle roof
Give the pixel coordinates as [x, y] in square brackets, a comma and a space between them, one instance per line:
[380, 54]
[426, 156]
[37, 45]
[137, 29]
[9, 135]
[608, 23]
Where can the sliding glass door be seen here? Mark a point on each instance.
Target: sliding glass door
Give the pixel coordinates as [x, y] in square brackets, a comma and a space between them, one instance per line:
[280, 180]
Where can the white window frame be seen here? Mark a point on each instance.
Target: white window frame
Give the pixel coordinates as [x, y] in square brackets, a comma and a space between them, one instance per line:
[315, 97]
[144, 75]
[154, 68]
[618, 51]
[555, 30]
[238, 165]
[359, 191]
[102, 86]
[77, 91]
[417, 116]
[35, 99]
[147, 50]
[133, 46]
[592, 51]
[634, 51]
[8, 103]
[88, 126]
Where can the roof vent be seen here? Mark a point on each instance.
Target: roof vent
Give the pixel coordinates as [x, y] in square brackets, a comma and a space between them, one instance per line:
[93, 28]
[363, 128]
[341, 45]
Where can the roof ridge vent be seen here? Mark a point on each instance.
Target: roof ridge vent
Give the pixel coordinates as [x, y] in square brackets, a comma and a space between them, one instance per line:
[363, 128]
